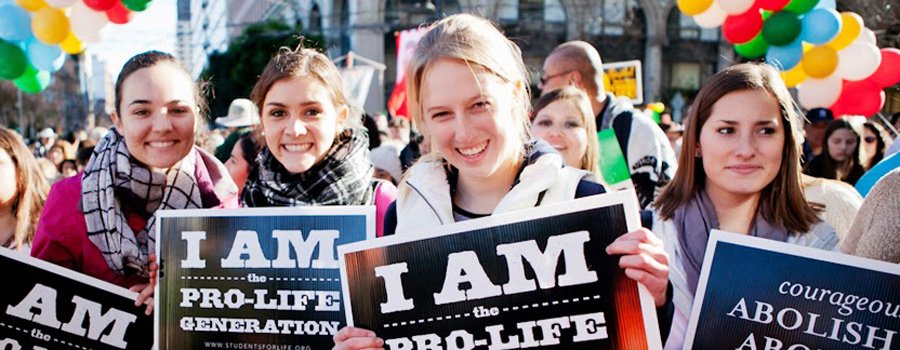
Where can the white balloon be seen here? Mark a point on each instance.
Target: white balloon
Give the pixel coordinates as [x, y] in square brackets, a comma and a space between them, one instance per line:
[819, 93]
[712, 17]
[858, 61]
[735, 7]
[60, 3]
[867, 36]
[87, 23]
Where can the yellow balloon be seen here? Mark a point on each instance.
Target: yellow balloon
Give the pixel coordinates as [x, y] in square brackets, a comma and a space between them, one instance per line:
[851, 25]
[32, 5]
[794, 76]
[820, 62]
[694, 7]
[71, 44]
[50, 25]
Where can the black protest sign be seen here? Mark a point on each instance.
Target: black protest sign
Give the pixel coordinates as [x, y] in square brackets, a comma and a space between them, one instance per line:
[533, 278]
[44, 306]
[255, 278]
[792, 297]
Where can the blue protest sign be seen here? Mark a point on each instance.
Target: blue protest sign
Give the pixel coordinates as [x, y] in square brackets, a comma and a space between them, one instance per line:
[756, 293]
[261, 278]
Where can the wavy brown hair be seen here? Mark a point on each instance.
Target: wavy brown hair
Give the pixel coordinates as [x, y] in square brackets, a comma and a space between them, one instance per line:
[31, 188]
[782, 201]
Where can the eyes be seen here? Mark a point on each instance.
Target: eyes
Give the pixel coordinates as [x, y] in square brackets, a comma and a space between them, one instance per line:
[568, 124]
[729, 130]
[312, 112]
[143, 111]
[478, 107]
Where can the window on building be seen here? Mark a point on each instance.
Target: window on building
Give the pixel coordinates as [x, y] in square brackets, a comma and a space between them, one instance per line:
[612, 17]
[315, 19]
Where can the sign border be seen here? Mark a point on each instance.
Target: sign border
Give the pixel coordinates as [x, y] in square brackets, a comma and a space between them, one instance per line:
[638, 76]
[627, 198]
[369, 211]
[716, 236]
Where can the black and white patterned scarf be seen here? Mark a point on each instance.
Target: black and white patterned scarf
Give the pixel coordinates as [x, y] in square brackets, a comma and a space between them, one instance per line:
[342, 177]
[114, 177]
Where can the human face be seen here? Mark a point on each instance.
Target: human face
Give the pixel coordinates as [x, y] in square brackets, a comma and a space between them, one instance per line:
[468, 116]
[560, 125]
[300, 122]
[238, 168]
[870, 142]
[841, 144]
[554, 77]
[159, 115]
[56, 155]
[8, 190]
[741, 148]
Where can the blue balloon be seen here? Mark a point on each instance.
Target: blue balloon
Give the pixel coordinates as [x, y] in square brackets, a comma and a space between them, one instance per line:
[785, 57]
[15, 23]
[45, 57]
[826, 4]
[820, 26]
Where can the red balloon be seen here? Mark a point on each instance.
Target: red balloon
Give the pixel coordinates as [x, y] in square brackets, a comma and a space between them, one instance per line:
[118, 14]
[888, 73]
[742, 28]
[862, 97]
[100, 5]
[772, 5]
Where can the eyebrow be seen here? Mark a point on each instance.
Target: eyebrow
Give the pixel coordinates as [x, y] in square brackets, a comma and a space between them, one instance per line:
[468, 101]
[148, 102]
[763, 122]
[304, 104]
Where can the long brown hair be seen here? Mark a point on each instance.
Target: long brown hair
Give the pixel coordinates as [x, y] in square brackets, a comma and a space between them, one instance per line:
[579, 100]
[31, 187]
[782, 201]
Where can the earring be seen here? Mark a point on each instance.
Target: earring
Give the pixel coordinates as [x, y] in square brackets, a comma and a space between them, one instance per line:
[697, 154]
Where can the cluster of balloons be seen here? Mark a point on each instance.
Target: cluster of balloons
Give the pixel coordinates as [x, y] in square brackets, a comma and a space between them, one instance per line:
[36, 35]
[830, 57]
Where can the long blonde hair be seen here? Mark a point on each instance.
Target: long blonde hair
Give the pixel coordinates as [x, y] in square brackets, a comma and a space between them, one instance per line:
[31, 188]
[578, 99]
[476, 42]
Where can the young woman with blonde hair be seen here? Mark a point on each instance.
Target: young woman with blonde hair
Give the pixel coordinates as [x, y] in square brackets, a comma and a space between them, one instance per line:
[468, 93]
[563, 117]
[23, 191]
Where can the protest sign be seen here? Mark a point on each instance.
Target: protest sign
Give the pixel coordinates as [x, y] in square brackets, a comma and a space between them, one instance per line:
[533, 278]
[45, 306]
[624, 79]
[765, 294]
[254, 278]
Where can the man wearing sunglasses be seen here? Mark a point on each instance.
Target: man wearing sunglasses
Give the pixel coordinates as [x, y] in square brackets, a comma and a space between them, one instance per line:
[650, 158]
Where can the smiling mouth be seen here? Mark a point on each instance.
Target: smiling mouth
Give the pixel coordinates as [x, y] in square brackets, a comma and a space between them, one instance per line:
[293, 148]
[473, 151]
[161, 144]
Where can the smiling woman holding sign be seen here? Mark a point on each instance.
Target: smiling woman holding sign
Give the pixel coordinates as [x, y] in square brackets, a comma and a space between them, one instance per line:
[468, 92]
[102, 222]
[314, 153]
[739, 171]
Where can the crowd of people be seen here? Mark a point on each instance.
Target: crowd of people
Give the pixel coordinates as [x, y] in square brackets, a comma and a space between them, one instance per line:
[473, 146]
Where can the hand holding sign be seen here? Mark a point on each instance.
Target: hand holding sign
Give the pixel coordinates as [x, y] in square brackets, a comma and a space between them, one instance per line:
[644, 260]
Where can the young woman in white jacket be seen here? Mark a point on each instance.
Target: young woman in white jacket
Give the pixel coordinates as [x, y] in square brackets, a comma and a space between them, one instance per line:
[468, 93]
[739, 171]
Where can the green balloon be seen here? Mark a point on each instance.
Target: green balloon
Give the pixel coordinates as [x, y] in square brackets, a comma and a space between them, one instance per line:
[782, 28]
[136, 5]
[12, 61]
[33, 81]
[754, 48]
[801, 6]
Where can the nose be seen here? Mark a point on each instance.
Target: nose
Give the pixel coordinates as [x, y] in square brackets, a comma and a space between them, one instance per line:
[161, 120]
[745, 147]
[296, 127]
[461, 128]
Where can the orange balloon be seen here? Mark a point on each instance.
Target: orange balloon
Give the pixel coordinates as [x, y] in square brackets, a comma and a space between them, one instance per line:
[693, 7]
[820, 62]
[851, 25]
[32, 5]
[794, 76]
[71, 44]
[50, 25]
